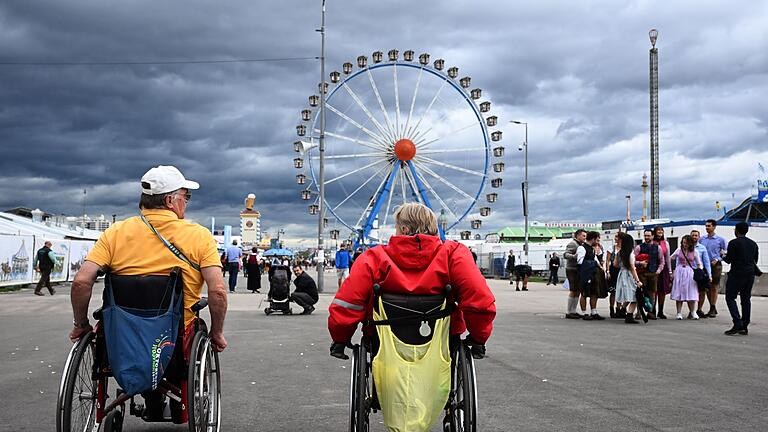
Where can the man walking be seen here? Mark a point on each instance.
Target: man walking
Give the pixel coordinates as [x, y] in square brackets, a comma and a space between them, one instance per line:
[701, 251]
[572, 273]
[649, 265]
[510, 266]
[554, 267]
[716, 248]
[44, 263]
[742, 256]
[305, 294]
[342, 264]
[233, 264]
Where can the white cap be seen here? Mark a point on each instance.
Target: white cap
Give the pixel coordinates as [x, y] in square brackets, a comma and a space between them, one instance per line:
[163, 179]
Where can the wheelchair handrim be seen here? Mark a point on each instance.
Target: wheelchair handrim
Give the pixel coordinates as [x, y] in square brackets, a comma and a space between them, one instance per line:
[83, 349]
[205, 403]
[62, 385]
[352, 387]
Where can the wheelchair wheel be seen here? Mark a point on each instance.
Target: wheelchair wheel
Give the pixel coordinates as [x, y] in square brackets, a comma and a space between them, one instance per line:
[204, 388]
[113, 422]
[463, 410]
[359, 394]
[76, 410]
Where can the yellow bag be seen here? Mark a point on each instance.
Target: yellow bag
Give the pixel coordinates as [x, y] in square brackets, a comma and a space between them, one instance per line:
[412, 381]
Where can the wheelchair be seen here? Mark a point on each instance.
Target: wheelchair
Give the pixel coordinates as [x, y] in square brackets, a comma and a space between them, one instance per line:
[191, 383]
[461, 407]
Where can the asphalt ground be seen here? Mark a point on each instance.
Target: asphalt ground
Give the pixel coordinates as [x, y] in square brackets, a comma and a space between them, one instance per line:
[542, 373]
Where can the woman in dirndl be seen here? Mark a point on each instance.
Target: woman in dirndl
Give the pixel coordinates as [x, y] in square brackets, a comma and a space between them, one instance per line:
[664, 284]
[600, 284]
[627, 281]
[612, 274]
[684, 287]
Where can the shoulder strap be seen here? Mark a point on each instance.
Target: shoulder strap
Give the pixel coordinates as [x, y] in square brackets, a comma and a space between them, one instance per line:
[685, 255]
[179, 254]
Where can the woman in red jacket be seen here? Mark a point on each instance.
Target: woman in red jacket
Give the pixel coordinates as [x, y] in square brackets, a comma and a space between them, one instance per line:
[416, 262]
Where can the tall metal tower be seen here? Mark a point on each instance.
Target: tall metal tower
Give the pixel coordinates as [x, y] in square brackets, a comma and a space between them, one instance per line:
[654, 89]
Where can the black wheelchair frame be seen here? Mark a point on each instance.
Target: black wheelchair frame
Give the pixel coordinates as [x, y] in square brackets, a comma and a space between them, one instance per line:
[83, 391]
[460, 410]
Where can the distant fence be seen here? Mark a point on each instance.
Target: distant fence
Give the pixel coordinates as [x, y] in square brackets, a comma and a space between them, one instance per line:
[17, 255]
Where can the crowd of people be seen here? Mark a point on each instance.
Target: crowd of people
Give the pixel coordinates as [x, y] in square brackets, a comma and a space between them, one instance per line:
[637, 278]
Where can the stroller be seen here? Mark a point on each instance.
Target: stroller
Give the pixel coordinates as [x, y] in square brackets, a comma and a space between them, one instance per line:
[279, 296]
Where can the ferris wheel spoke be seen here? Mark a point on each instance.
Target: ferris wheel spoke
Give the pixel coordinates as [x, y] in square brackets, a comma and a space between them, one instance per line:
[437, 197]
[354, 171]
[421, 144]
[389, 199]
[372, 200]
[397, 103]
[367, 112]
[376, 138]
[453, 167]
[429, 107]
[369, 144]
[361, 186]
[458, 150]
[444, 181]
[349, 156]
[381, 103]
[406, 131]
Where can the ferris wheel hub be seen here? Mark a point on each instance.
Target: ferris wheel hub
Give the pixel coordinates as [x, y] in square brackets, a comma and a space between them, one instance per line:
[405, 150]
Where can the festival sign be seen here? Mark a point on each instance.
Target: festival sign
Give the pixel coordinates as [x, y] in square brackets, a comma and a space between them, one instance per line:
[78, 250]
[16, 259]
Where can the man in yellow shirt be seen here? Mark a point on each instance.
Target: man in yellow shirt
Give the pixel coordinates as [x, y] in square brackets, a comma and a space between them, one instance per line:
[130, 247]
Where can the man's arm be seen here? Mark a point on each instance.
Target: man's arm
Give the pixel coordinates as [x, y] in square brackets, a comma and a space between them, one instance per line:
[570, 251]
[217, 302]
[729, 258]
[581, 252]
[80, 296]
[705, 261]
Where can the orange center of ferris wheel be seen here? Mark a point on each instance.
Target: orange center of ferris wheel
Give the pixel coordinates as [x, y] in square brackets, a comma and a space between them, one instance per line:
[405, 150]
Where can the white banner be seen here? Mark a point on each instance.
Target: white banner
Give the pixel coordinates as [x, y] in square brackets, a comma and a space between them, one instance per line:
[78, 250]
[60, 248]
[16, 256]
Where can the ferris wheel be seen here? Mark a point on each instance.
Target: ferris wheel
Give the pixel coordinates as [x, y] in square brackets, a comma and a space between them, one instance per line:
[400, 131]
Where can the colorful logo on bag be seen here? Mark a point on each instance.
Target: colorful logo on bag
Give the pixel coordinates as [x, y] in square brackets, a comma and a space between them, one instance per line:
[157, 349]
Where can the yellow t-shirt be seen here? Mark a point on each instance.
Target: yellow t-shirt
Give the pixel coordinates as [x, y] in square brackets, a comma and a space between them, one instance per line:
[129, 247]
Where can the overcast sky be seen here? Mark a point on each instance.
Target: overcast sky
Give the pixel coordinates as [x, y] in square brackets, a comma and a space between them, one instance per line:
[577, 72]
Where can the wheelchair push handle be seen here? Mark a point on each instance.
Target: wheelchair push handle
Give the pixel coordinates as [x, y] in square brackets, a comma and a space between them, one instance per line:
[200, 305]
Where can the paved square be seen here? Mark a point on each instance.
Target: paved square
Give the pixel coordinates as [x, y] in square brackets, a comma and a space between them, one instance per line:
[543, 372]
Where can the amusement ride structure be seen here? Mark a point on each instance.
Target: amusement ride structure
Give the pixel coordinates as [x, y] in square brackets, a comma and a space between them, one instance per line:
[399, 129]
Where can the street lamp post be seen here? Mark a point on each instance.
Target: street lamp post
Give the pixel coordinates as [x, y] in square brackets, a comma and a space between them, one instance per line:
[524, 148]
[321, 149]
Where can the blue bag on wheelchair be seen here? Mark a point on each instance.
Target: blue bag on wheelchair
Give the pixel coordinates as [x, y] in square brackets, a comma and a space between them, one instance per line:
[140, 341]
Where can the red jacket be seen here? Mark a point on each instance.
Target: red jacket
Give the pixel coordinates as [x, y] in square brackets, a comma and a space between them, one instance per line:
[419, 264]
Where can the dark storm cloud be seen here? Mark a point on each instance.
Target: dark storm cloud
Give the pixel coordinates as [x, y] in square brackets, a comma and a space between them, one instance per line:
[578, 73]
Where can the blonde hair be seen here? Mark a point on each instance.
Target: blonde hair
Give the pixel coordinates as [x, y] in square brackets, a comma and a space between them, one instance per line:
[415, 218]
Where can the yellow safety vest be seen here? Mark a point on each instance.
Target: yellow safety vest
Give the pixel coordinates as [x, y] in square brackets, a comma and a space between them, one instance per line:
[412, 381]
